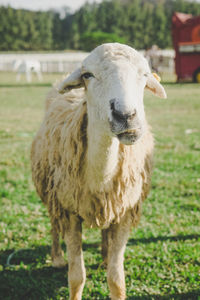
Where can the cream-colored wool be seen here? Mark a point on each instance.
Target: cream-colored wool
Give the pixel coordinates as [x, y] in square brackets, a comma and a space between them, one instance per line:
[60, 170]
[83, 174]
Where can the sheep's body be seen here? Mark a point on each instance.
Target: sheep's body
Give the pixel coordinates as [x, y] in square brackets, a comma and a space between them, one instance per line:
[82, 173]
[27, 67]
[60, 168]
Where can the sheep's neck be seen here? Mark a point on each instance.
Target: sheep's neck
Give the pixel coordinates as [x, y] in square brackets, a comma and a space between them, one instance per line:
[102, 159]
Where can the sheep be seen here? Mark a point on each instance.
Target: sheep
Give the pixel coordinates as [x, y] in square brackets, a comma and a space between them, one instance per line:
[92, 158]
[27, 67]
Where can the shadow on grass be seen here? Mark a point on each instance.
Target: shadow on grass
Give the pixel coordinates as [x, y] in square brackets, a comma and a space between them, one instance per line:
[192, 295]
[132, 241]
[164, 238]
[91, 246]
[192, 207]
[27, 256]
[34, 280]
[41, 283]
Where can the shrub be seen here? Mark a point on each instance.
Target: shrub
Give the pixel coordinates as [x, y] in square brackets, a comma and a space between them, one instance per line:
[90, 40]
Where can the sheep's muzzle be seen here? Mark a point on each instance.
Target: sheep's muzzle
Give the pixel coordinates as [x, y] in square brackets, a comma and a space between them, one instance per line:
[129, 137]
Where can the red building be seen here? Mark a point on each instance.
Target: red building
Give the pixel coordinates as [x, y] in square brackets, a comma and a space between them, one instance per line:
[186, 40]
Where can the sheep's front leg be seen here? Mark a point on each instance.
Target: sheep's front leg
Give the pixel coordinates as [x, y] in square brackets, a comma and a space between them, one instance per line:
[28, 76]
[76, 269]
[117, 239]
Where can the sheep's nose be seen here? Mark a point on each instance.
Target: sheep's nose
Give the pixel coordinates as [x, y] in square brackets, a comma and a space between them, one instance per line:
[120, 116]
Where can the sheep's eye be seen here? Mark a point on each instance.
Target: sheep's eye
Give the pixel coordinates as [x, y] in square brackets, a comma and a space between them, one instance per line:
[87, 75]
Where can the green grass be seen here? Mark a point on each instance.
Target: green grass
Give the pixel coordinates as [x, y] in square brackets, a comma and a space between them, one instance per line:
[162, 258]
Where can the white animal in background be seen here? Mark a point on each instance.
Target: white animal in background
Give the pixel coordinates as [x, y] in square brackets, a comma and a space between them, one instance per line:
[92, 158]
[27, 67]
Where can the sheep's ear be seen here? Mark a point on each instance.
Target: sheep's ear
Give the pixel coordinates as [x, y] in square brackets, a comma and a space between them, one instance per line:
[73, 81]
[154, 86]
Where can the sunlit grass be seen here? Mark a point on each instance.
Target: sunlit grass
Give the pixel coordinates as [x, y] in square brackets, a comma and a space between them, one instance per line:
[162, 259]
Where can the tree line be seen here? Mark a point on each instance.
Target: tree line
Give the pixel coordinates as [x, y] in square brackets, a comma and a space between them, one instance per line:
[139, 23]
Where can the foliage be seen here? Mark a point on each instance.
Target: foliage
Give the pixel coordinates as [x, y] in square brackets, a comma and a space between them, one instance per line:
[162, 256]
[141, 23]
[90, 40]
[25, 30]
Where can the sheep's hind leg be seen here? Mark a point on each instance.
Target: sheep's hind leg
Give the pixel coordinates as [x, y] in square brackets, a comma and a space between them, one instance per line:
[104, 246]
[56, 251]
[76, 273]
[117, 239]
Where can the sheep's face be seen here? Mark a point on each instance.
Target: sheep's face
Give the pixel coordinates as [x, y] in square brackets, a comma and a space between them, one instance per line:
[114, 77]
[115, 88]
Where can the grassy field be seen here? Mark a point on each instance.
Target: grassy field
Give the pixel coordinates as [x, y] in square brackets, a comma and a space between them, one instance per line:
[162, 258]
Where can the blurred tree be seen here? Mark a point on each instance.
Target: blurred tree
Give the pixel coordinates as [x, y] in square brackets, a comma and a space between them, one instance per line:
[135, 25]
[159, 26]
[147, 25]
[90, 40]
[57, 31]
[109, 17]
[139, 23]
[43, 30]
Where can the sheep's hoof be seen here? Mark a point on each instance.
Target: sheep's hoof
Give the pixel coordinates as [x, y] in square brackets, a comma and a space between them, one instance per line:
[59, 262]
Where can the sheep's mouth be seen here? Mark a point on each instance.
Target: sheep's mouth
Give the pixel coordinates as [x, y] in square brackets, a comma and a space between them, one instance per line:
[128, 137]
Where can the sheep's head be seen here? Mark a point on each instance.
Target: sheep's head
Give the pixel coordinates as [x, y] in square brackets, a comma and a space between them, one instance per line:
[114, 77]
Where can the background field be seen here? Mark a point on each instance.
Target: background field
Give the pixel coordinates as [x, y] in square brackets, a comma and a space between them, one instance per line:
[162, 259]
